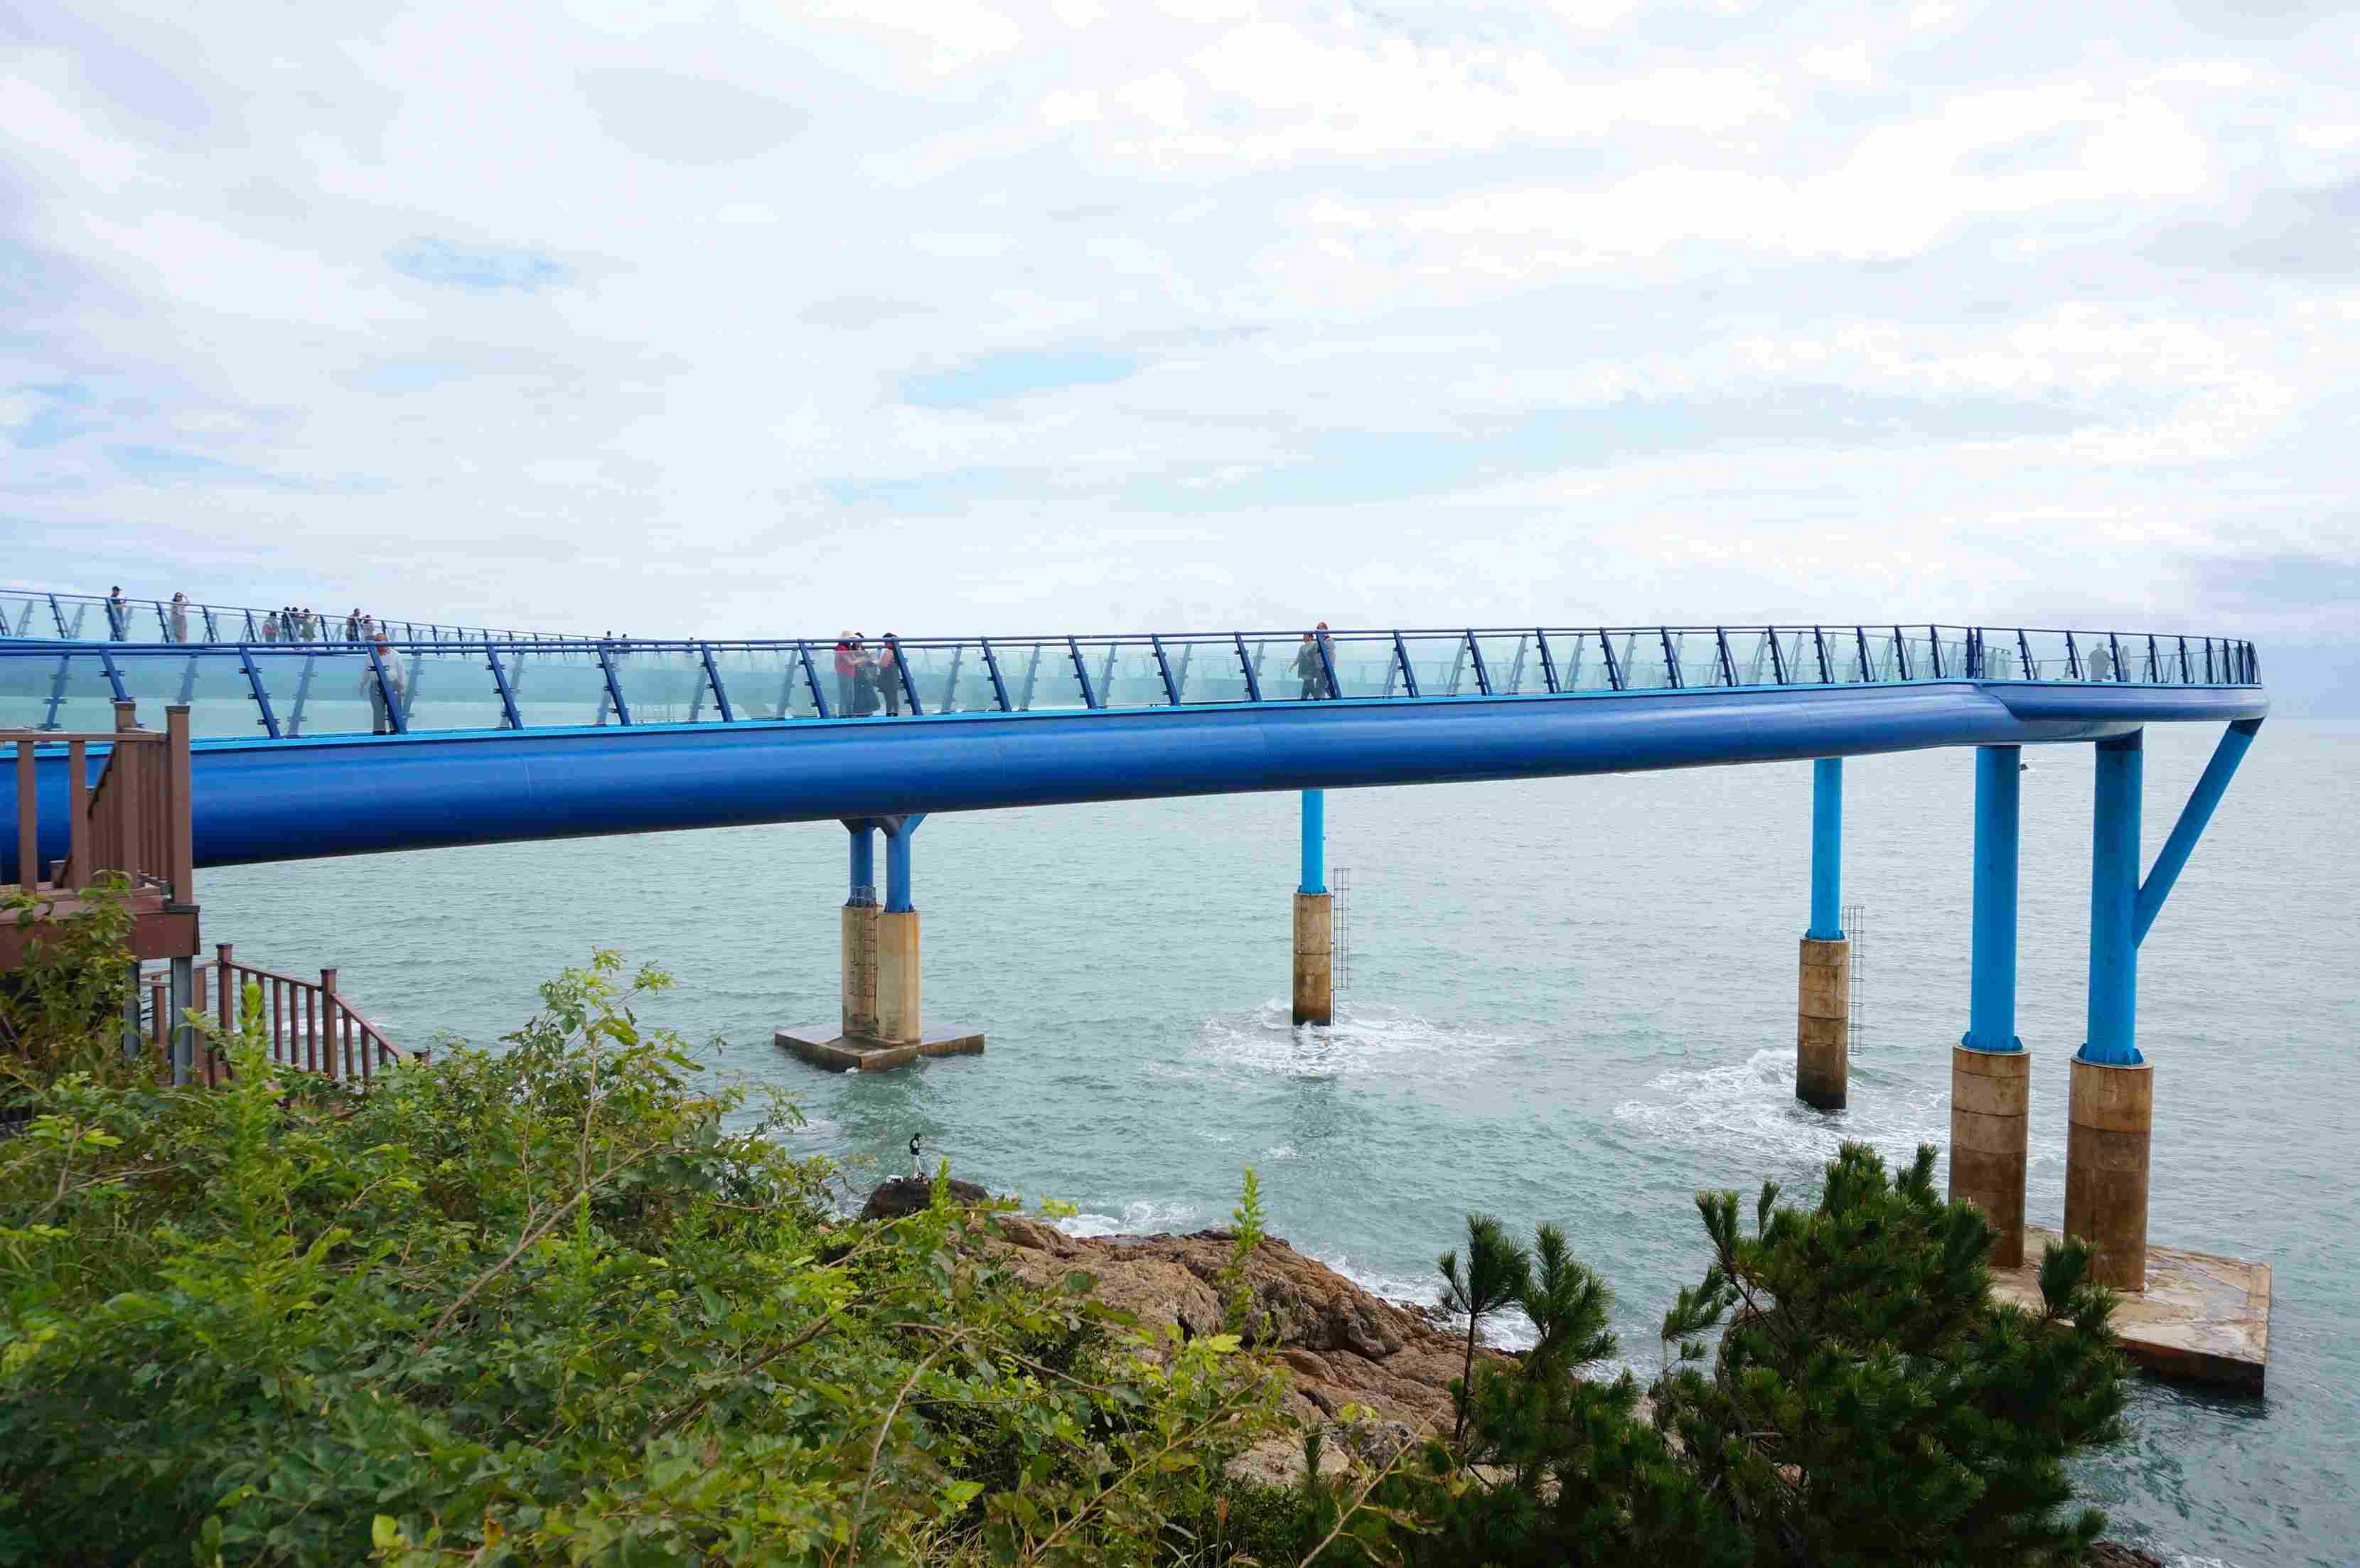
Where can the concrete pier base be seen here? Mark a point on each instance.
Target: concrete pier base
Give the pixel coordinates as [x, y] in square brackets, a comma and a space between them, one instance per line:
[816, 1045]
[859, 1015]
[882, 1022]
[2203, 1319]
[1314, 992]
[1991, 1101]
[1823, 1025]
[2106, 1167]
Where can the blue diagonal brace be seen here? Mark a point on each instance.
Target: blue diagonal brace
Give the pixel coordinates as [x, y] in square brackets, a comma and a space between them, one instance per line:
[2210, 788]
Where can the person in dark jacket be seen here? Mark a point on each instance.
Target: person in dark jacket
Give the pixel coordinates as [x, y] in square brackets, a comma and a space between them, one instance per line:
[864, 682]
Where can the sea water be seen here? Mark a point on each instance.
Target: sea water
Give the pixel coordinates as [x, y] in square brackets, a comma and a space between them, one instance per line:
[1570, 1000]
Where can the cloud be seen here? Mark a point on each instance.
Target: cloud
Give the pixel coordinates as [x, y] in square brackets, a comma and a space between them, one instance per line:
[484, 270]
[1012, 314]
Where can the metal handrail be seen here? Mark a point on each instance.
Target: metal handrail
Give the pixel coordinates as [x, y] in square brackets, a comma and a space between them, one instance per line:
[53, 617]
[1005, 673]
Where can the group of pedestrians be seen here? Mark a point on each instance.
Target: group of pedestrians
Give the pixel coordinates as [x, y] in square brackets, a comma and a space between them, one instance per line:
[866, 678]
[289, 623]
[294, 623]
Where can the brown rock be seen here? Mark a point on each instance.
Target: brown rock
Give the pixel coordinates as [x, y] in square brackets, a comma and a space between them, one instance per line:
[2114, 1554]
[1339, 1345]
[906, 1196]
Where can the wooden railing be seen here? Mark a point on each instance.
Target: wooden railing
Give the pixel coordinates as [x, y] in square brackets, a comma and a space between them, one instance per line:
[308, 1025]
[134, 820]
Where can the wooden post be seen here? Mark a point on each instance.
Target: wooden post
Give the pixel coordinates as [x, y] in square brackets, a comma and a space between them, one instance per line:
[320, 1016]
[121, 809]
[28, 821]
[78, 846]
[178, 827]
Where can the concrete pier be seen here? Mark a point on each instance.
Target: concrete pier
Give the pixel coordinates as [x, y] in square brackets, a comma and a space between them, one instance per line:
[2203, 1319]
[1314, 958]
[1823, 1025]
[2113, 1112]
[859, 937]
[1991, 1101]
[1315, 924]
[882, 1021]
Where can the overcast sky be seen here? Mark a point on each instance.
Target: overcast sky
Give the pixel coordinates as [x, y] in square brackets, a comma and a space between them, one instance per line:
[962, 315]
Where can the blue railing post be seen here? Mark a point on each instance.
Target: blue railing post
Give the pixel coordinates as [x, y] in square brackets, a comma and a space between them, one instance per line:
[1548, 661]
[1246, 663]
[2114, 904]
[1163, 668]
[614, 685]
[1991, 996]
[261, 695]
[509, 713]
[1314, 842]
[1081, 673]
[991, 666]
[1826, 850]
[1482, 675]
[811, 679]
[713, 676]
[1401, 656]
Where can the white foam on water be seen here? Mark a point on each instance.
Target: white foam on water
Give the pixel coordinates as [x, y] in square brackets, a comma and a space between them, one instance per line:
[1284, 1151]
[1751, 1106]
[1370, 1042]
[1143, 1218]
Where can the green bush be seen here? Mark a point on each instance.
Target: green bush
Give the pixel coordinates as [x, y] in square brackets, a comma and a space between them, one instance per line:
[560, 1301]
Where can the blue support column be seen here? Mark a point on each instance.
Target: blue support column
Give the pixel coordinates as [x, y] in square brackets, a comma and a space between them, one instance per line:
[899, 831]
[1991, 1011]
[864, 861]
[1314, 842]
[1826, 850]
[2113, 904]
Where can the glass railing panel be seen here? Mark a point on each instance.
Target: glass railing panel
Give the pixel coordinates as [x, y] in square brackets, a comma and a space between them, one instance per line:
[55, 691]
[1751, 653]
[316, 690]
[769, 683]
[1442, 662]
[1363, 662]
[663, 684]
[1205, 669]
[1272, 658]
[1511, 662]
[1040, 676]
[1123, 674]
[559, 685]
[948, 677]
[1698, 652]
[2051, 658]
[1581, 660]
[220, 700]
[443, 687]
[26, 615]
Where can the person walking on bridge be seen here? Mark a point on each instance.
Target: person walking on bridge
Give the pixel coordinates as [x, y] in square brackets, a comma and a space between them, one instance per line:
[889, 676]
[385, 696]
[353, 625]
[847, 658]
[1311, 662]
[179, 617]
[118, 614]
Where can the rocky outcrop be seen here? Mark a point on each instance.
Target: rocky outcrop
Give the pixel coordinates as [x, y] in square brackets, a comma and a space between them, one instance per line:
[906, 1196]
[1341, 1345]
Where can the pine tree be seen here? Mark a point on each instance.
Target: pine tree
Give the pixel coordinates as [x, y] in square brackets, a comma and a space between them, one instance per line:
[1497, 1270]
[1869, 1403]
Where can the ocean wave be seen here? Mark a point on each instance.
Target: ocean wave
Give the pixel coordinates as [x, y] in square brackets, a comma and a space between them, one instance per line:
[1143, 1218]
[1374, 1041]
[1752, 1105]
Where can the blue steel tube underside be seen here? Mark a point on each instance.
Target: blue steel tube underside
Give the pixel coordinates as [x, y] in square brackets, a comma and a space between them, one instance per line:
[260, 801]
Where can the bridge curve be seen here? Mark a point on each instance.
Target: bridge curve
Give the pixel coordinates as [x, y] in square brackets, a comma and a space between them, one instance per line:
[259, 800]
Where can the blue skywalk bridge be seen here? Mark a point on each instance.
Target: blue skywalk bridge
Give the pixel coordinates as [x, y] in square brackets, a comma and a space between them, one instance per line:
[500, 739]
[492, 739]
